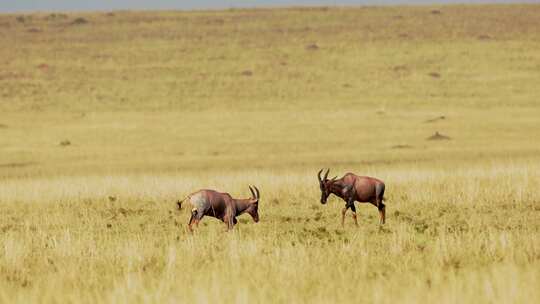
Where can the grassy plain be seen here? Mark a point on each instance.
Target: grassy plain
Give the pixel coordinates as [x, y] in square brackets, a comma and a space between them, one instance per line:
[146, 107]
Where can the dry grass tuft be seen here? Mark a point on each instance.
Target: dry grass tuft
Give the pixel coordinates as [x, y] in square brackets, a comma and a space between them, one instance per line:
[438, 136]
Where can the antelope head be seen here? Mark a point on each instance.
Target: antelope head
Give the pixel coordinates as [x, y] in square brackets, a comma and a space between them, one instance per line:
[253, 207]
[324, 184]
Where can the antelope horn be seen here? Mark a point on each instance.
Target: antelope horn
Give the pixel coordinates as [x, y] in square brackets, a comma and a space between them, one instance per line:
[319, 175]
[326, 174]
[257, 190]
[252, 193]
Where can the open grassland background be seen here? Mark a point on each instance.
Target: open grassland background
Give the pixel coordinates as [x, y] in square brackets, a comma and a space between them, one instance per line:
[107, 118]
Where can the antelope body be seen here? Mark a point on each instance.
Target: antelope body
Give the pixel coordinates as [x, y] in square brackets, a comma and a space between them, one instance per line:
[221, 206]
[351, 188]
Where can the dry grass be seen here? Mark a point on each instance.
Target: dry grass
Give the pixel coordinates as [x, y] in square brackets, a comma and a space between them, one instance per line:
[366, 57]
[147, 107]
[464, 237]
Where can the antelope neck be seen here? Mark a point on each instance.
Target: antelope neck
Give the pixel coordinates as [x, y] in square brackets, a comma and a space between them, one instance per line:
[335, 188]
[242, 204]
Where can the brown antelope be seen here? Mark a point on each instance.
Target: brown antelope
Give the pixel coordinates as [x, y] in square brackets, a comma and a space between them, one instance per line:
[221, 206]
[351, 188]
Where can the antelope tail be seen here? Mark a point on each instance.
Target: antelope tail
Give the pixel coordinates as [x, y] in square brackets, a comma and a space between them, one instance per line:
[179, 203]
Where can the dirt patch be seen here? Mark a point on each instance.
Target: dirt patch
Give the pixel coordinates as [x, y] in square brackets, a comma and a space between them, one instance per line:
[34, 30]
[435, 119]
[43, 66]
[2, 126]
[401, 147]
[312, 47]
[79, 21]
[247, 73]
[484, 37]
[438, 136]
[400, 68]
[435, 75]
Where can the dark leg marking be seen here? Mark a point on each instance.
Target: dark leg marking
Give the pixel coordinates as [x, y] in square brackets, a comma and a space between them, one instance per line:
[382, 213]
[192, 219]
[353, 208]
[380, 203]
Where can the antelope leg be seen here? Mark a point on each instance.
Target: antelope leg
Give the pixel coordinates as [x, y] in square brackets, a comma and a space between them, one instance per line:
[230, 221]
[190, 226]
[190, 223]
[382, 213]
[353, 208]
[343, 216]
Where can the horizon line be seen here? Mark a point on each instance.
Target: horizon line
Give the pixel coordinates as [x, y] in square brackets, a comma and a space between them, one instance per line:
[268, 7]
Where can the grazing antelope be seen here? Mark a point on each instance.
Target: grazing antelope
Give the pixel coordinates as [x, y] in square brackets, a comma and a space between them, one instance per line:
[351, 188]
[221, 206]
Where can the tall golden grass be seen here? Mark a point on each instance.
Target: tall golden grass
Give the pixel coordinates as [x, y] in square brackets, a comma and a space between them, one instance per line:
[469, 236]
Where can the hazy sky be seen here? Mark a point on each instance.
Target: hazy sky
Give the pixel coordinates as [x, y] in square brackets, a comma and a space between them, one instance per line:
[77, 5]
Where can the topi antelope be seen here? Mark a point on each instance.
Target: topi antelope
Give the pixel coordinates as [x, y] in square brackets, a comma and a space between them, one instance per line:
[221, 206]
[351, 188]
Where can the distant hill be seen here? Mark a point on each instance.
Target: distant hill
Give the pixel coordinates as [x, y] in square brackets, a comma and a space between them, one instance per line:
[473, 56]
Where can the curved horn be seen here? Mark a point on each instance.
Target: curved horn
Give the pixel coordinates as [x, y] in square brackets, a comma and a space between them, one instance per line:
[258, 193]
[319, 175]
[252, 193]
[326, 174]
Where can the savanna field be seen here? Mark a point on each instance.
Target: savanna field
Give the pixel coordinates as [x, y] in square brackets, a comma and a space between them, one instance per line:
[108, 118]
